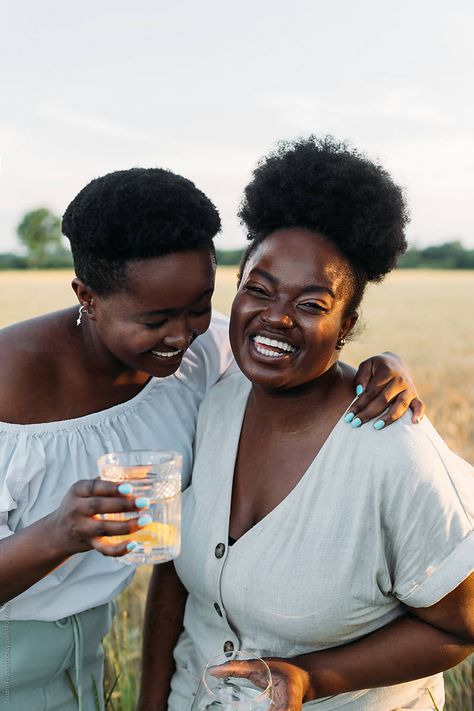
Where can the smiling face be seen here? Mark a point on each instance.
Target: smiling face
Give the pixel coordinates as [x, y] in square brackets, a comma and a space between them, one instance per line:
[289, 310]
[166, 305]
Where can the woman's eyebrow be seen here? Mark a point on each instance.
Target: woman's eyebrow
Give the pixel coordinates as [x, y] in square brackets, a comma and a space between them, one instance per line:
[307, 289]
[318, 287]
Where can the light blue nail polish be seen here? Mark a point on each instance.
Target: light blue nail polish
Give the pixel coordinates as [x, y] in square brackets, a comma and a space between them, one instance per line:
[349, 417]
[131, 546]
[359, 390]
[356, 423]
[379, 424]
[125, 489]
[144, 520]
[142, 502]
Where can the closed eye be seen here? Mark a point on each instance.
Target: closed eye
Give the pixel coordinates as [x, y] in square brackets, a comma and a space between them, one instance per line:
[257, 290]
[155, 324]
[313, 306]
[201, 312]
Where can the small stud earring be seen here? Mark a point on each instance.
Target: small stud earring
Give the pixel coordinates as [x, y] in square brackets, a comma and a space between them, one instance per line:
[341, 342]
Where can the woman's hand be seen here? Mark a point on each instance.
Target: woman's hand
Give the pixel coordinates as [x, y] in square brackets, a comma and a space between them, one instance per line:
[383, 382]
[77, 525]
[291, 684]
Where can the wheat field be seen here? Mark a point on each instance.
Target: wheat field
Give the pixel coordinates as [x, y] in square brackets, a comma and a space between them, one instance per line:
[425, 316]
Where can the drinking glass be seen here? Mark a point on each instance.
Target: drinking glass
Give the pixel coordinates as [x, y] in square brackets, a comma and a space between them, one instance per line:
[235, 693]
[156, 475]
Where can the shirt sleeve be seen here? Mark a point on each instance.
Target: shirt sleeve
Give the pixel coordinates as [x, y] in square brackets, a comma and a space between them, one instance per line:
[427, 518]
[13, 464]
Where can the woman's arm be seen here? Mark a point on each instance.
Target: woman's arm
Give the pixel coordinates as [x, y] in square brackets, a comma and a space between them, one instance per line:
[163, 624]
[424, 642]
[383, 382]
[36, 550]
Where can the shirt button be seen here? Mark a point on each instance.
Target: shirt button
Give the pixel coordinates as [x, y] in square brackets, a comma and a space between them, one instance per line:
[218, 609]
[220, 550]
[228, 646]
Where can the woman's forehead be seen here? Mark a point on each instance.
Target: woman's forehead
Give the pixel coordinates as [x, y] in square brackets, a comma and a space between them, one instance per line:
[300, 257]
[172, 280]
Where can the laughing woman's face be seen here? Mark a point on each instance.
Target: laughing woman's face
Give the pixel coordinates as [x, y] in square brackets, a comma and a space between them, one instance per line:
[289, 310]
[163, 306]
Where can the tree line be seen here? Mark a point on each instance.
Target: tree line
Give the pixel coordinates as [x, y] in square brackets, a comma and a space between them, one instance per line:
[39, 233]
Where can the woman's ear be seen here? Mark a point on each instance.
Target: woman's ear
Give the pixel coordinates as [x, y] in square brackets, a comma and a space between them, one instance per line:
[84, 294]
[348, 324]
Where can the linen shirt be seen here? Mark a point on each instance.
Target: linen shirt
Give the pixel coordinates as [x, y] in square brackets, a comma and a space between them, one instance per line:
[380, 518]
[39, 462]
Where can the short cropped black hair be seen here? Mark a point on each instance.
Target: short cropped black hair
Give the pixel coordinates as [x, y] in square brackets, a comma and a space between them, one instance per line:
[325, 186]
[135, 214]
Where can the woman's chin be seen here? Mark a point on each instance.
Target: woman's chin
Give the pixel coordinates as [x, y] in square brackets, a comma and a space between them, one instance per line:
[162, 367]
[266, 369]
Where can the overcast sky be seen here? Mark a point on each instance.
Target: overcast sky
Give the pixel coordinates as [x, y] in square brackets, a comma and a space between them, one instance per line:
[206, 88]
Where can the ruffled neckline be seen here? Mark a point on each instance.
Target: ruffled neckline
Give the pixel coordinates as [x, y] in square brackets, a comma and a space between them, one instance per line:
[84, 420]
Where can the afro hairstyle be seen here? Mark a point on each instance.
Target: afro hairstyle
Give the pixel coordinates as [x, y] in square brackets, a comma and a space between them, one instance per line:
[325, 186]
[135, 214]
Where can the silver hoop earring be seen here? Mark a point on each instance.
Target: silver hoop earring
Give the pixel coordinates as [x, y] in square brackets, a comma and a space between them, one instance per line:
[341, 342]
[82, 310]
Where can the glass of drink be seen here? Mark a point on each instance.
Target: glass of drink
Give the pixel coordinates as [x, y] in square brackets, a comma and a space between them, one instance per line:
[156, 475]
[247, 686]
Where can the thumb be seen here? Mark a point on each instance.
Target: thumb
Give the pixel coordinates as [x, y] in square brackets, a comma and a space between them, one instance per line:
[418, 409]
[236, 668]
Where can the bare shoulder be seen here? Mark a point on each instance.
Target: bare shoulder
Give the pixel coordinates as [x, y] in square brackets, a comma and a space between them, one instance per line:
[30, 356]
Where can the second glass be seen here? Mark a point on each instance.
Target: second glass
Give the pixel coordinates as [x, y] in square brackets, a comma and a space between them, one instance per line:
[156, 475]
[235, 693]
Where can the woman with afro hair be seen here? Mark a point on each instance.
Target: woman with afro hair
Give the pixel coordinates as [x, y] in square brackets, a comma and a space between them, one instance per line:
[343, 557]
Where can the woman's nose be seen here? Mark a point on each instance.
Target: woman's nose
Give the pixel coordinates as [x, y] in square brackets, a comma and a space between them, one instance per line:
[277, 317]
[180, 334]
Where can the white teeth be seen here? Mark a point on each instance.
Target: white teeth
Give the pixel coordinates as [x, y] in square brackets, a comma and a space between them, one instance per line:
[263, 351]
[166, 354]
[272, 342]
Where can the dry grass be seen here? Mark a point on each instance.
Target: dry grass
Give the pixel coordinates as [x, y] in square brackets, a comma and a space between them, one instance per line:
[424, 316]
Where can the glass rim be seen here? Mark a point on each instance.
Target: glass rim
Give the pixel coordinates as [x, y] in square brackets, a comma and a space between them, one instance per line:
[233, 657]
[171, 455]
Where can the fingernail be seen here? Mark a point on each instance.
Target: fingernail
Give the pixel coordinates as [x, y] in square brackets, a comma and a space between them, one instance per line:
[379, 424]
[125, 489]
[144, 520]
[359, 390]
[132, 545]
[356, 423]
[349, 417]
[417, 420]
[142, 502]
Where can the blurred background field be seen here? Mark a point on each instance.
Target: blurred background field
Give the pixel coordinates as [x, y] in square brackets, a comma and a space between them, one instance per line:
[425, 316]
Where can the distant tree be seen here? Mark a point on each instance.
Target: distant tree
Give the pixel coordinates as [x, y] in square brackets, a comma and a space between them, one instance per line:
[40, 232]
[410, 260]
[229, 257]
[450, 255]
[8, 260]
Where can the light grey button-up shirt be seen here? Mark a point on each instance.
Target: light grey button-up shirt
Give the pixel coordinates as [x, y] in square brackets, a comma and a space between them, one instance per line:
[379, 519]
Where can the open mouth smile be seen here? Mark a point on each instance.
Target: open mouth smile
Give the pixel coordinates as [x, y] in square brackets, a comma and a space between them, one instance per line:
[166, 354]
[271, 347]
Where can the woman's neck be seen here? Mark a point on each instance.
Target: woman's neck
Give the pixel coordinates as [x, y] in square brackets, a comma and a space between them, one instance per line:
[295, 409]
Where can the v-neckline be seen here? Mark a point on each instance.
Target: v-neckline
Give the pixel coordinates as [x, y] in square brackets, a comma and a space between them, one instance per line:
[236, 434]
